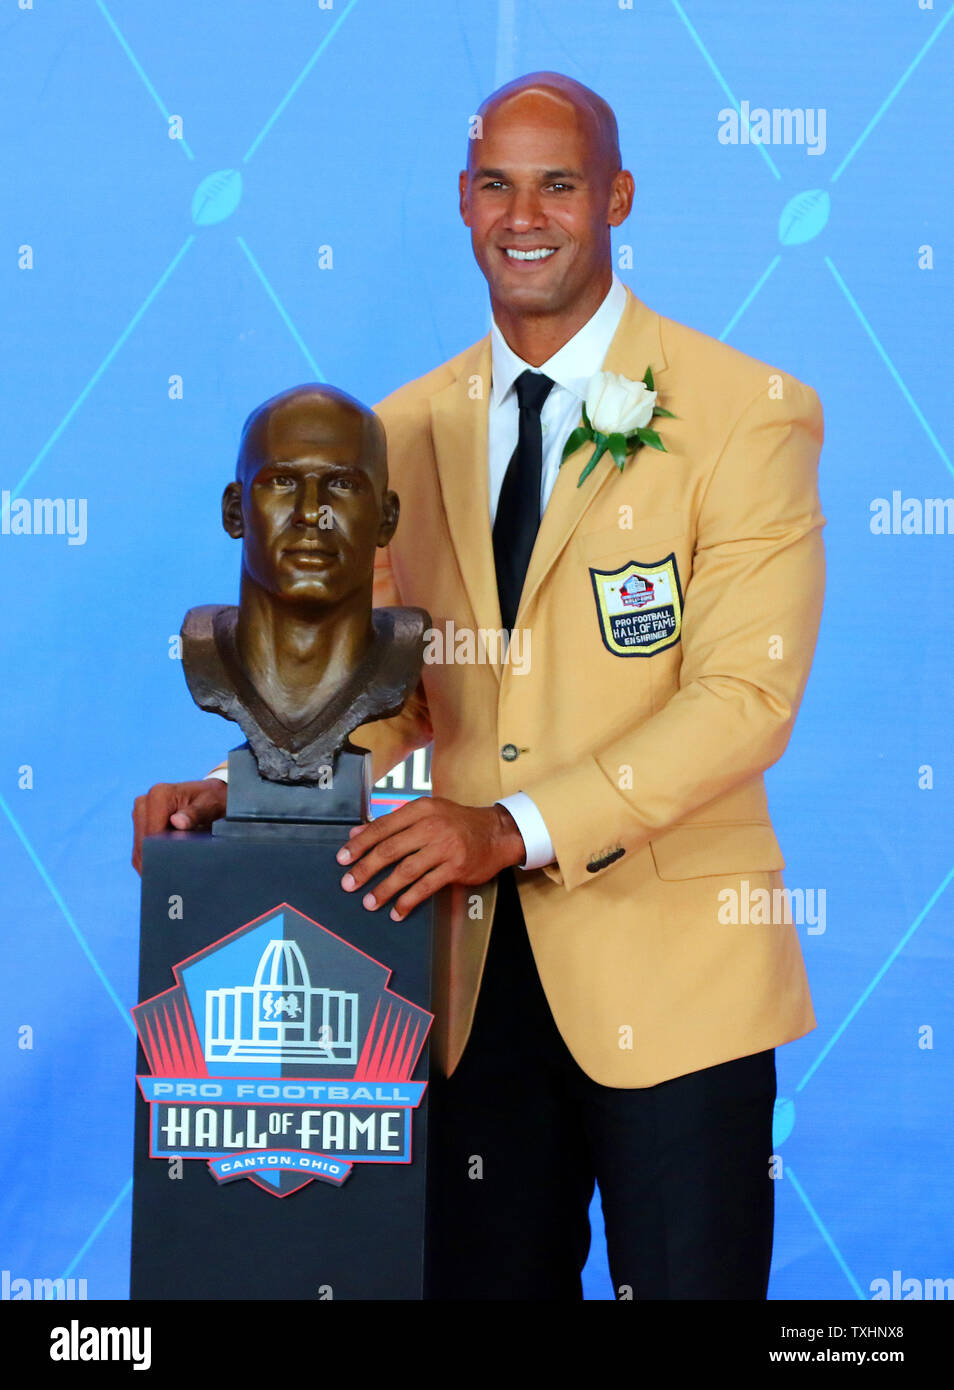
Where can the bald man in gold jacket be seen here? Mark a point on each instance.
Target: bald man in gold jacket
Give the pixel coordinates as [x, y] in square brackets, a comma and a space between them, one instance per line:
[602, 1012]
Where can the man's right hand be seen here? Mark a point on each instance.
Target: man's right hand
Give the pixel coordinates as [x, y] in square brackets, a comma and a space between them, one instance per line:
[176, 806]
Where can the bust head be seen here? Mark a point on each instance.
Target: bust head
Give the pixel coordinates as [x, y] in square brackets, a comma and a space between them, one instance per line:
[310, 500]
[305, 659]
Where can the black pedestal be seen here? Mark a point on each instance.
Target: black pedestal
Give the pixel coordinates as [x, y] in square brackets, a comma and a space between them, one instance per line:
[280, 1046]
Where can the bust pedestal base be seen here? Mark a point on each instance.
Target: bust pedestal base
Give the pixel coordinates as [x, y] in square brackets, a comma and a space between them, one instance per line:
[308, 988]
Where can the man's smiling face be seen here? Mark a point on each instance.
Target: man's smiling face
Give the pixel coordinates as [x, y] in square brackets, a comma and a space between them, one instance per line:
[539, 195]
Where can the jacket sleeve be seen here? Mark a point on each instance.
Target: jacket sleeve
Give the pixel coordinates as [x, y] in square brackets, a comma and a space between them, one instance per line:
[391, 740]
[750, 622]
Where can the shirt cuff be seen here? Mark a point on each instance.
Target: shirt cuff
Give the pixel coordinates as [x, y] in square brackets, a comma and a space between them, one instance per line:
[532, 827]
[222, 773]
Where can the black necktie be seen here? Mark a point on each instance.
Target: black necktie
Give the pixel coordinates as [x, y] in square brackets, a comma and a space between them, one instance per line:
[518, 508]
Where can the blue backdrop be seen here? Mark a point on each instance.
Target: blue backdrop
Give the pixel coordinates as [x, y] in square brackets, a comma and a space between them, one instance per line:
[207, 203]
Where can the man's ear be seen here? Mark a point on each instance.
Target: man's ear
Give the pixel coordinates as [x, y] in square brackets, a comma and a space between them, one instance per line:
[390, 511]
[232, 511]
[462, 188]
[621, 198]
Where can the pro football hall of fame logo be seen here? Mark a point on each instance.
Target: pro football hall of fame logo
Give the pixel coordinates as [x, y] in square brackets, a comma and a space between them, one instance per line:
[280, 1055]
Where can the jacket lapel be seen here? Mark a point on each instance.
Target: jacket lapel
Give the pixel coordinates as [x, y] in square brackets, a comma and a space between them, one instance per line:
[636, 345]
[459, 428]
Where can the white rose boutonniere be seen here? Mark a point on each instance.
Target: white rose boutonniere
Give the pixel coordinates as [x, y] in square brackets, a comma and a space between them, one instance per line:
[616, 416]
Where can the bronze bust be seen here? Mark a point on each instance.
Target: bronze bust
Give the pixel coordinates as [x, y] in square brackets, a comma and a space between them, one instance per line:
[304, 659]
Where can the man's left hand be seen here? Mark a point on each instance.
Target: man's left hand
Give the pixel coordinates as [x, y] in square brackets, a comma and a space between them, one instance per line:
[431, 842]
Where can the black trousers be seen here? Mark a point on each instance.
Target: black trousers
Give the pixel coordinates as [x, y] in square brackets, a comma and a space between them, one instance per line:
[519, 1134]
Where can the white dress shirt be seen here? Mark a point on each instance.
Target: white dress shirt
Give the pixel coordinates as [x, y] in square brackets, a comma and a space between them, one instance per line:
[570, 369]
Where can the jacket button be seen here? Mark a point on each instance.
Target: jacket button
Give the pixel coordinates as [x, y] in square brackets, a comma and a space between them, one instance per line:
[510, 752]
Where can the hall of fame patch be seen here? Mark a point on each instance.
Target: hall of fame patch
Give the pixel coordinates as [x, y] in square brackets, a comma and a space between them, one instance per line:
[639, 607]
